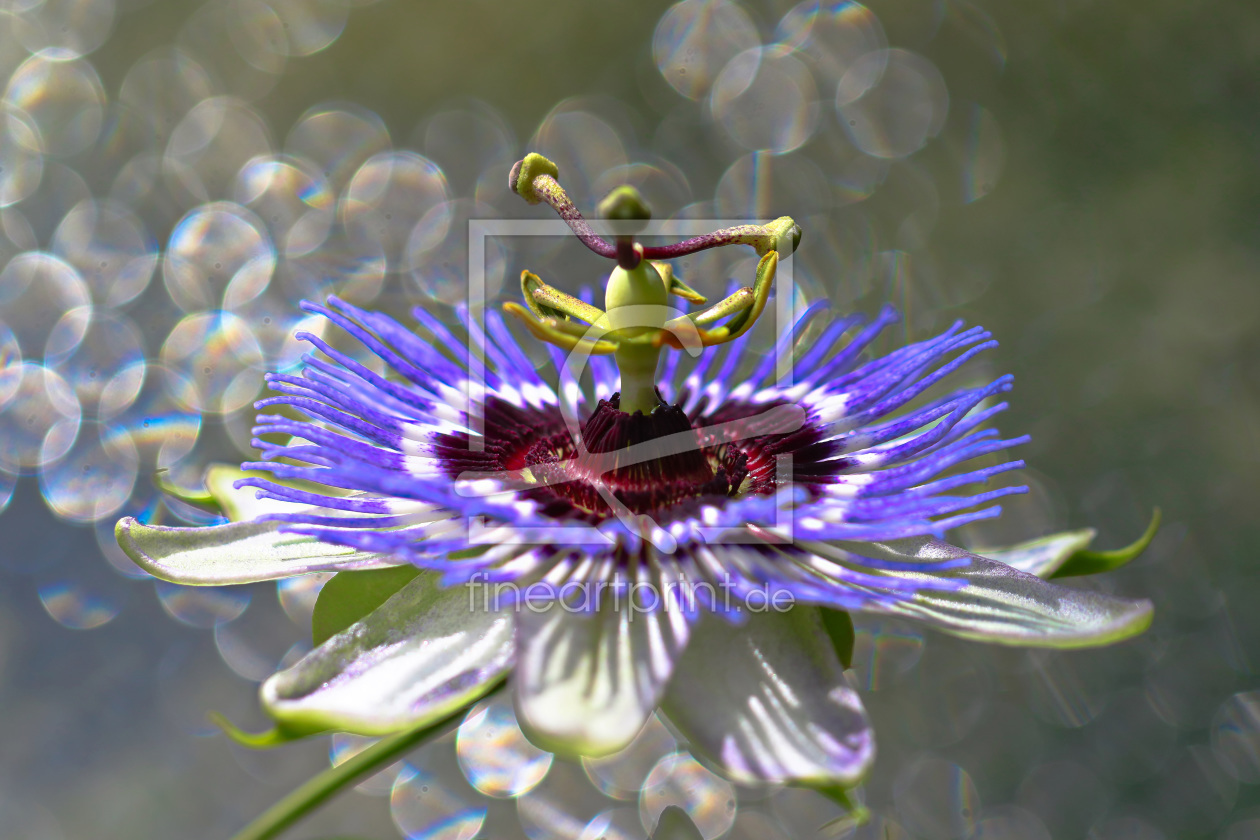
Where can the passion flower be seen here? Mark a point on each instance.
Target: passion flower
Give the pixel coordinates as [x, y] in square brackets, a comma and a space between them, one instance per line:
[692, 541]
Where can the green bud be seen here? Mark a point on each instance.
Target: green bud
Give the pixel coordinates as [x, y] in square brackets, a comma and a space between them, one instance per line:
[521, 178]
[624, 204]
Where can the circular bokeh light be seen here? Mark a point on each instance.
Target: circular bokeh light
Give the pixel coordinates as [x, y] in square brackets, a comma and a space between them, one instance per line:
[891, 102]
[678, 779]
[213, 360]
[40, 421]
[765, 99]
[696, 38]
[424, 808]
[94, 478]
[64, 99]
[494, 754]
[202, 606]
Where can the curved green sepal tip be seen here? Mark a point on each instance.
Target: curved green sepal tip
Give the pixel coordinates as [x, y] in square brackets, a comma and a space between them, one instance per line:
[350, 596]
[856, 814]
[199, 497]
[839, 627]
[1042, 556]
[1000, 604]
[521, 178]
[273, 737]
[1094, 562]
[625, 204]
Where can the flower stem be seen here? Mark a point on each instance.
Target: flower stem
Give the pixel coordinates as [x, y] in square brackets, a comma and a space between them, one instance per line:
[332, 781]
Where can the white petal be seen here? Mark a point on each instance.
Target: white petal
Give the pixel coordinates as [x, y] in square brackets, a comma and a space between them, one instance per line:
[587, 682]
[1004, 605]
[768, 703]
[239, 552]
[421, 655]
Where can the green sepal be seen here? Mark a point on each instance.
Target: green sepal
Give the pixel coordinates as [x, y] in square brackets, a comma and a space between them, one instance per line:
[350, 596]
[1087, 562]
[839, 627]
[198, 497]
[994, 602]
[856, 814]
[1042, 556]
[274, 737]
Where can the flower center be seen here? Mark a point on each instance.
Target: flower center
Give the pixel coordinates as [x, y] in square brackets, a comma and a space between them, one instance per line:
[648, 462]
[659, 463]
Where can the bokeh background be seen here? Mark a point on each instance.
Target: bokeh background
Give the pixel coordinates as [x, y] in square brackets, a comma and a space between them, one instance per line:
[1083, 178]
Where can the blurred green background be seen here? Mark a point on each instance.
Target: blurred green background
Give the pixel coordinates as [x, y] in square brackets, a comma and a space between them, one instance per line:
[1117, 259]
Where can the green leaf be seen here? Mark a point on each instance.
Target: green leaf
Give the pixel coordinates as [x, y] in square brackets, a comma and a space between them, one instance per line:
[350, 596]
[239, 552]
[1043, 556]
[1094, 562]
[423, 653]
[273, 737]
[839, 627]
[1004, 605]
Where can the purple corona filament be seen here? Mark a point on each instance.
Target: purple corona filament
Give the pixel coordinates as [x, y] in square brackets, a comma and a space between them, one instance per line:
[857, 469]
